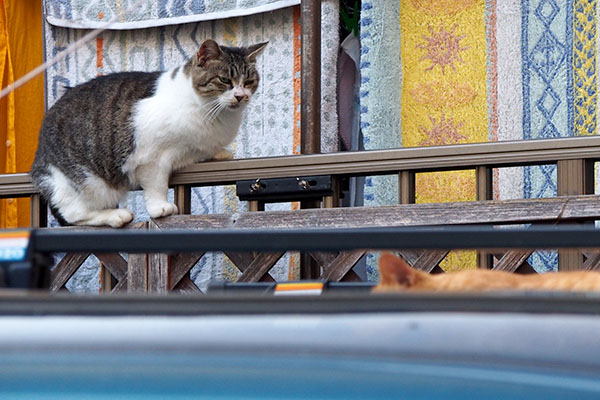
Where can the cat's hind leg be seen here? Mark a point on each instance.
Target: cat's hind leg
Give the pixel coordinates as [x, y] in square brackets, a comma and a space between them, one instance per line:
[114, 217]
[93, 204]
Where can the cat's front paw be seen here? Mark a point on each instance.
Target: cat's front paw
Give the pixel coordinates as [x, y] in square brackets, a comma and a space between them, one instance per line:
[119, 217]
[160, 209]
[223, 155]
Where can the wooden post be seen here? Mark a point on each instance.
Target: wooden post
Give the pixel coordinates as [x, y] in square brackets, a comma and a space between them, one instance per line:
[310, 110]
[309, 268]
[106, 279]
[484, 186]
[183, 198]
[39, 212]
[574, 177]
[137, 273]
[406, 187]
[255, 205]
[333, 201]
[158, 268]
[137, 270]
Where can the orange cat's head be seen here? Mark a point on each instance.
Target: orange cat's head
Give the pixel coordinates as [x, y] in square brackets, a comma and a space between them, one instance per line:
[395, 273]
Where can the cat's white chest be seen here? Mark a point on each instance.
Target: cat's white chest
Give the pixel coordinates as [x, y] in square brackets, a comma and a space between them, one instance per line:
[175, 128]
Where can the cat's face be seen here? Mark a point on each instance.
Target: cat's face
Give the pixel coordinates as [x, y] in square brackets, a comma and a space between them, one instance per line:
[226, 74]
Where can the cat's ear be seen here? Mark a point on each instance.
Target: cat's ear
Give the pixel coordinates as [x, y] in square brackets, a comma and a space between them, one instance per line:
[395, 271]
[209, 50]
[255, 50]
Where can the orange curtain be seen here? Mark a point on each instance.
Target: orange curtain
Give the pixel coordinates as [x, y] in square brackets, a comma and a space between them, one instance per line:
[21, 112]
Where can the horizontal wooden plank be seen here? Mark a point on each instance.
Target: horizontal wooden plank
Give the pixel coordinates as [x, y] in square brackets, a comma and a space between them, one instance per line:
[520, 211]
[205, 221]
[372, 162]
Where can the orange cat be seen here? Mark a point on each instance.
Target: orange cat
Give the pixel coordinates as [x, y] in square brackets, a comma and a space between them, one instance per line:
[397, 275]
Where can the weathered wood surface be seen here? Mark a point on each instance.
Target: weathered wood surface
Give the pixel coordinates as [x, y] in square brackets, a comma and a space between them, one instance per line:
[121, 286]
[180, 267]
[163, 273]
[341, 265]
[512, 260]
[523, 211]
[64, 270]
[114, 263]
[158, 272]
[137, 273]
[260, 266]
[592, 261]
[186, 286]
[137, 269]
[429, 261]
[243, 260]
[336, 266]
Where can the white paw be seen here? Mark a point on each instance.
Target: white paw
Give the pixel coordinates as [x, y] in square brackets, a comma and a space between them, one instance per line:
[119, 217]
[159, 209]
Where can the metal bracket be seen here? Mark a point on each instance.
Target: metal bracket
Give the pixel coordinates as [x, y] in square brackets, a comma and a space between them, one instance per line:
[284, 189]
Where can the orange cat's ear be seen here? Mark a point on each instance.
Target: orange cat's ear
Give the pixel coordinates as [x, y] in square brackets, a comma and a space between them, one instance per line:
[395, 271]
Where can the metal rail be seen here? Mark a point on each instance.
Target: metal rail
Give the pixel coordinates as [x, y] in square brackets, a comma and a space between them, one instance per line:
[468, 237]
[343, 303]
[417, 159]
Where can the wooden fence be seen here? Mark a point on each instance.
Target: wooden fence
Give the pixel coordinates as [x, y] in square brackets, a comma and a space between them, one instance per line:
[574, 157]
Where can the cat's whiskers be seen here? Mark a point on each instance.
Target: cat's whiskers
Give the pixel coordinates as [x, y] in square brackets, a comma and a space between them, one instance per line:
[208, 104]
[210, 114]
[215, 112]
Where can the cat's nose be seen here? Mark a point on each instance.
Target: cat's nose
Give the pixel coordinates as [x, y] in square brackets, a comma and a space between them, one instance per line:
[239, 98]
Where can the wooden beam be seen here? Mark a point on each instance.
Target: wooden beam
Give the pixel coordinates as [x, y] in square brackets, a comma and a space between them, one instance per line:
[342, 265]
[137, 273]
[38, 212]
[181, 264]
[260, 266]
[243, 260]
[496, 212]
[183, 198]
[484, 184]
[310, 110]
[255, 205]
[65, 269]
[574, 177]
[371, 162]
[406, 187]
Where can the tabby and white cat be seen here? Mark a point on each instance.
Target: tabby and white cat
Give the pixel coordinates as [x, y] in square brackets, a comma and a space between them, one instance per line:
[133, 129]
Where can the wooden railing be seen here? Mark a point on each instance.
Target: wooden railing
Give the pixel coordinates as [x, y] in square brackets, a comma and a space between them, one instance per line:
[574, 157]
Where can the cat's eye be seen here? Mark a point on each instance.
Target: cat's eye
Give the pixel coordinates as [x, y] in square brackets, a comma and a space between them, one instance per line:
[225, 80]
[249, 82]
